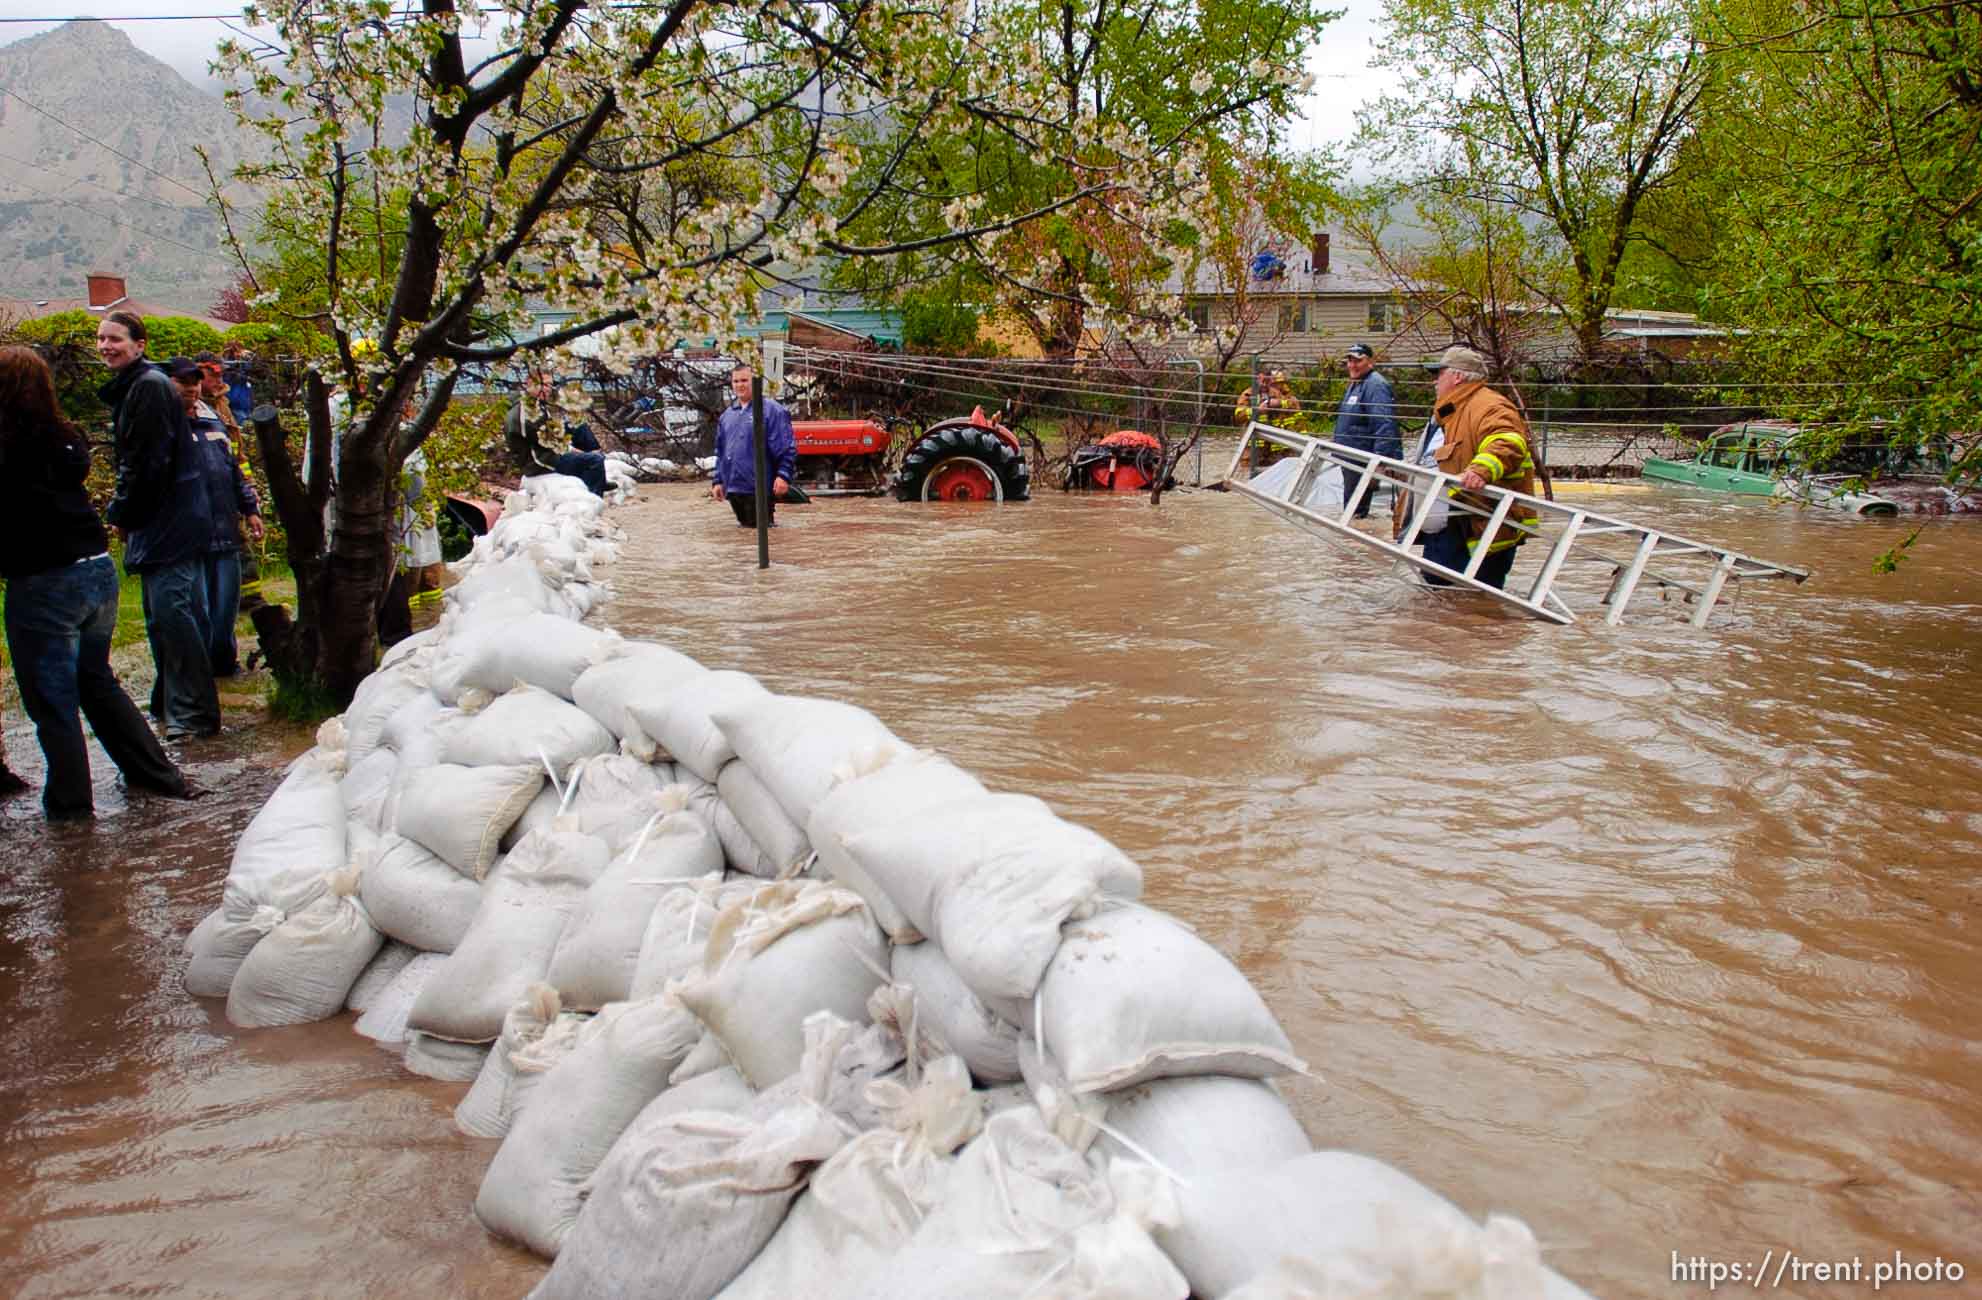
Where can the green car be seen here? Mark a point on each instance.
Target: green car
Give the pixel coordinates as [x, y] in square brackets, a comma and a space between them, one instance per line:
[1761, 458]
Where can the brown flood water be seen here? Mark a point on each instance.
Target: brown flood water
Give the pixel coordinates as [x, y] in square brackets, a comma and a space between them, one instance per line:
[1664, 941]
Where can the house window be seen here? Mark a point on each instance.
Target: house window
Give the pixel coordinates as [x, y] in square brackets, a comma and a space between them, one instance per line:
[1296, 318]
[1386, 316]
[1199, 315]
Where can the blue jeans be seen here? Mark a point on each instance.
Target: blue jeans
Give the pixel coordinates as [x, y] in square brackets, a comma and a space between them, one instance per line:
[1448, 547]
[587, 465]
[183, 698]
[223, 606]
[59, 625]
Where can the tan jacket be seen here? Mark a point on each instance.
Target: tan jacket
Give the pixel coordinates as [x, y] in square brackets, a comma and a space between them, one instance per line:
[1483, 431]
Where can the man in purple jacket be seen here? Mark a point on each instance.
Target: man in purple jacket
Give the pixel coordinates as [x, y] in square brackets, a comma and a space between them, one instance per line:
[736, 468]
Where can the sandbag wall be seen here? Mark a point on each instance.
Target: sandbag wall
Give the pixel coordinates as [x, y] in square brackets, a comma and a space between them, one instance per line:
[820, 1014]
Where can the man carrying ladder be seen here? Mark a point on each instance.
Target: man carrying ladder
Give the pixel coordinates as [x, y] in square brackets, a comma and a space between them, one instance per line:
[1478, 436]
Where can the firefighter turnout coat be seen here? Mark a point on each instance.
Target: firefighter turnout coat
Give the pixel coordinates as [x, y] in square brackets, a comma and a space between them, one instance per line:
[1483, 431]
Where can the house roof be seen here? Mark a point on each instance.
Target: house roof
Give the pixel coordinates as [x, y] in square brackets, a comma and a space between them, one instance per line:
[36, 308]
[1348, 274]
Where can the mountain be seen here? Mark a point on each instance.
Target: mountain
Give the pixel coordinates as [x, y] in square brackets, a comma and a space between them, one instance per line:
[76, 98]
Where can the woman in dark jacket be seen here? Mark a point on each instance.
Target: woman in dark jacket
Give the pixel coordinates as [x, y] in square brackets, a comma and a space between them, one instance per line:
[61, 606]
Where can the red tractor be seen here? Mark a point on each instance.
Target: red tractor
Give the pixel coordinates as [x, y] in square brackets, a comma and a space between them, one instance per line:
[970, 458]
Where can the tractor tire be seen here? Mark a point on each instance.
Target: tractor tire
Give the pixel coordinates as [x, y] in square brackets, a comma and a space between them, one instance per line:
[963, 463]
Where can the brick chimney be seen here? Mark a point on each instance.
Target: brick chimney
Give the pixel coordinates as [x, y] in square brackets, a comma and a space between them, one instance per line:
[1318, 253]
[105, 290]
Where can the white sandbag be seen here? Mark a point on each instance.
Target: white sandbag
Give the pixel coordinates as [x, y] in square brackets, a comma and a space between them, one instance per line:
[516, 578]
[946, 1008]
[460, 813]
[1020, 1212]
[677, 935]
[612, 796]
[799, 746]
[542, 649]
[740, 851]
[680, 721]
[867, 1201]
[418, 734]
[1360, 1226]
[384, 1021]
[210, 973]
[531, 1193]
[1134, 995]
[599, 950]
[1201, 1125]
[992, 878]
[528, 725]
[444, 1060]
[643, 672]
[416, 898]
[879, 790]
[485, 1111]
[304, 967]
[411, 648]
[367, 788]
[291, 845]
[707, 1057]
[377, 699]
[508, 947]
[781, 840]
[200, 938]
[782, 953]
[683, 1202]
[378, 974]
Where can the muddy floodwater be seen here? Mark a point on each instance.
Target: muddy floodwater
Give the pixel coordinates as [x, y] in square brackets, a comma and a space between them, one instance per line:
[1664, 940]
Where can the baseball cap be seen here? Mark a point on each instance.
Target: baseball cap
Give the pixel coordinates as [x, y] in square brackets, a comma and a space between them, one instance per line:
[1358, 350]
[182, 368]
[1458, 357]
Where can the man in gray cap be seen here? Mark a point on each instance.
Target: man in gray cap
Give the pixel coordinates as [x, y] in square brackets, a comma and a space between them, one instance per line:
[1366, 419]
[1479, 437]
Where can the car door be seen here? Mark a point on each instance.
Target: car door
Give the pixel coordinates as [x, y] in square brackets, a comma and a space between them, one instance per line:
[1719, 460]
[1755, 472]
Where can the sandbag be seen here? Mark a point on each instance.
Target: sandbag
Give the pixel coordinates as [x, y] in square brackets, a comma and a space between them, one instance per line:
[1200, 1125]
[947, 1009]
[683, 1201]
[774, 958]
[991, 878]
[444, 1060]
[1359, 1225]
[680, 721]
[865, 1202]
[797, 746]
[545, 650]
[531, 1194]
[378, 697]
[416, 898]
[677, 936]
[611, 796]
[599, 950]
[508, 947]
[304, 967]
[418, 734]
[644, 672]
[293, 843]
[1021, 1211]
[384, 1021]
[1132, 995]
[378, 974]
[367, 788]
[881, 790]
[782, 841]
[211, 972]
[460, 813]
[485, 1111]
[528, 725]
[741, 852]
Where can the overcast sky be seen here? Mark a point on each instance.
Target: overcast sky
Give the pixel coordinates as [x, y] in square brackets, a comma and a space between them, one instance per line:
[1340, 62]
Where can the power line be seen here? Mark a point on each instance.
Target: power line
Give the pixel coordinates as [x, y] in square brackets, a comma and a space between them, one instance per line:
[6, 90]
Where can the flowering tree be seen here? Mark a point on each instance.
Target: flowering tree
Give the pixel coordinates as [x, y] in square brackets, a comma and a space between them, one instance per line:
[645, 166]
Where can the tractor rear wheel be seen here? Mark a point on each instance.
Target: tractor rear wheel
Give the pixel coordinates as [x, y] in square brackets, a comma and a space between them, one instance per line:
[963, 464]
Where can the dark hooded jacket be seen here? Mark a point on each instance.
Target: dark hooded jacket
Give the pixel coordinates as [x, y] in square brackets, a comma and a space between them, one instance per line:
[161, 496]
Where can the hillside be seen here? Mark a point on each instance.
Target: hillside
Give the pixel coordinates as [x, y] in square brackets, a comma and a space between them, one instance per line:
[70, 205]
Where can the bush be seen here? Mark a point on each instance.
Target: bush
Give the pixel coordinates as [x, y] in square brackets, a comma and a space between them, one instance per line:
[288, 339]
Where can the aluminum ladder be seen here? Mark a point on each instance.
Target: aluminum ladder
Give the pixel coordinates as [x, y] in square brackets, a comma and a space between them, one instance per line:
[1301, 495]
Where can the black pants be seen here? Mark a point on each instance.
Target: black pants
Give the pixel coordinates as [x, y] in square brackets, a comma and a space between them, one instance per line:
[1448, 547]
[745, 506]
